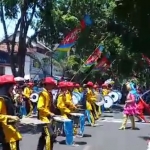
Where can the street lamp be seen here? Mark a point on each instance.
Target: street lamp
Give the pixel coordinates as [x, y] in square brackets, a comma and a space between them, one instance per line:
[51, 62]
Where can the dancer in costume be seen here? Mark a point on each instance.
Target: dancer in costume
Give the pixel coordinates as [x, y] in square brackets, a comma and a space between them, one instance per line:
[130, 108]
[26, 95]
[45, 115]
[9, 135]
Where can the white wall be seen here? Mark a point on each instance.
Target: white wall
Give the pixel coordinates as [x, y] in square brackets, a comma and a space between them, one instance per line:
[33, 71]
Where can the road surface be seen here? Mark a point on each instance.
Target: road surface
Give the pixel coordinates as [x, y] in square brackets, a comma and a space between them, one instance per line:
[106, 136]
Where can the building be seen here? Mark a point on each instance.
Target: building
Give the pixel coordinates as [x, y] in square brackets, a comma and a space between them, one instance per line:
[37, 63]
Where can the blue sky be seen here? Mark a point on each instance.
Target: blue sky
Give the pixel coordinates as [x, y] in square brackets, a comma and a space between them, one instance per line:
[10, 28]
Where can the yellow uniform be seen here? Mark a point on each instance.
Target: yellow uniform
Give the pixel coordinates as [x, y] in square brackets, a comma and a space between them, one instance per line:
[62, 104]
[90, 104]
[10, 133]
[44, 113]
[27, 92]
[105, 92]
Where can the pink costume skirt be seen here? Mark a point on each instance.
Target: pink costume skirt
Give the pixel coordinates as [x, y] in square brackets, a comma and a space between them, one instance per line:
[131, 108]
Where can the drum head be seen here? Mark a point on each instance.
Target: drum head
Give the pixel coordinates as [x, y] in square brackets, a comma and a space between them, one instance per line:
[120, 95]
[61, 119]
[76, 97]
[76, 114]
[34, 97]
[100, 103]
[108, 102]
[114, 96]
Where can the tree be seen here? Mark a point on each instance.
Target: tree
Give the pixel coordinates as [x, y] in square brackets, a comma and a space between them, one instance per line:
[25, 12]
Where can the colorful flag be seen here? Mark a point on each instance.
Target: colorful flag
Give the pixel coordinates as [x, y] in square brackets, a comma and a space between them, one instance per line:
[146, 59]
[94, 56]
[103, 64]
[72, 37]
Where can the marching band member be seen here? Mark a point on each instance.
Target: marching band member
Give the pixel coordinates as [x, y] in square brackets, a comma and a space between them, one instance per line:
[98, 108]
[130, 108]
[26, 94]
[9, 135]
[65, 111]
[91, 98]
[44, 114]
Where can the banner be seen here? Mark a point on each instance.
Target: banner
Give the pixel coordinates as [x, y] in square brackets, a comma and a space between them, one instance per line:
[93, 58]
[72, 37]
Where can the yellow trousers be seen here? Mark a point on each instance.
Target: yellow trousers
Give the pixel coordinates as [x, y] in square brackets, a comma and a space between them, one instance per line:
[125, 119]
[11, 146]
[45, 140]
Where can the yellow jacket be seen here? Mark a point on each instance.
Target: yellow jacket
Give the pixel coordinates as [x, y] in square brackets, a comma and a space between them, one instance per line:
[105, 92]
[43, 106]
[69, 101]
[91, 97]
[27, 92]
[61, 105]
[10, 132]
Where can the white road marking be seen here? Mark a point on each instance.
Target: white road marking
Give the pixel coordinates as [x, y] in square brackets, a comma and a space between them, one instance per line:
[113, 120]
[87, 147]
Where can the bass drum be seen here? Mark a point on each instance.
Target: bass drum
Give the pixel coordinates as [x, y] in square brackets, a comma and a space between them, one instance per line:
[34, 97]
[114, 96]
[108, 102]
[76, 97]
[100, 100]
[119, 93]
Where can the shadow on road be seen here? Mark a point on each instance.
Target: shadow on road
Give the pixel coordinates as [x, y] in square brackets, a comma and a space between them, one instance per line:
[63, 142]
[145, 137]
[30, 129]
[87, 135]
[128, 128]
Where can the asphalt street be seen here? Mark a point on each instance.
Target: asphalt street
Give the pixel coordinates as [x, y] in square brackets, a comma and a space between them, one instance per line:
[106, 136]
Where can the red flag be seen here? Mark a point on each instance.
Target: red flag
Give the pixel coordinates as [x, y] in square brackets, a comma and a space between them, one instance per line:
[94, 56]
[103, 64]
[146, 59]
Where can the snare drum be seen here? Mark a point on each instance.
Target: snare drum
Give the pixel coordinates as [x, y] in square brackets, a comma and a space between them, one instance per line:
[58, 124]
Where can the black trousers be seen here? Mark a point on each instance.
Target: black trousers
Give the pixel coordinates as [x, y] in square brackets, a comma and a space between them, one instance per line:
[46, 139]
[11, 146]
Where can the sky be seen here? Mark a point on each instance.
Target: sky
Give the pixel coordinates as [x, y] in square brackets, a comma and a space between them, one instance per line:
[10, 28]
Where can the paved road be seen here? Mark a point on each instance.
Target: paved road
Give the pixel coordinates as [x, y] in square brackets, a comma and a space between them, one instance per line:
[106, 136]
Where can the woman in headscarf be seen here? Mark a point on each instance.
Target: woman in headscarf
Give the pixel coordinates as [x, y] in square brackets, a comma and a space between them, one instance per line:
[9, 136]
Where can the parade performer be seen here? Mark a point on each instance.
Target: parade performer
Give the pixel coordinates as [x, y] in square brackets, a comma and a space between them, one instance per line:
[98, 108]
[64, 100]
[130, 108]
[65, 112]
[26, 94]
[9, 135]
[45, 115]
[91, 99]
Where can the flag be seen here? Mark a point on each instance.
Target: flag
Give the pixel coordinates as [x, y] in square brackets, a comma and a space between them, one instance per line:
[94, 56]
[146, 59]
[72, 37]
[103, 64]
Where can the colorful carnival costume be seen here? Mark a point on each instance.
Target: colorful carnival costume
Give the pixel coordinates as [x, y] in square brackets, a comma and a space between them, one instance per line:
[130, 108]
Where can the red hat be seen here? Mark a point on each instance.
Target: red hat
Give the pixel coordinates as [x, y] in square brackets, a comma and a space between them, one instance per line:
[62, 84]
[96, 86]
[49, 80]
[7, 79]
[30, 83]
[70, 84]
[77, 85]
[90, 84]
[104, 85]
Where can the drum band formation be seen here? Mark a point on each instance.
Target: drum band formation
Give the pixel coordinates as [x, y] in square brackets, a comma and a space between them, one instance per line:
[62, 109]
